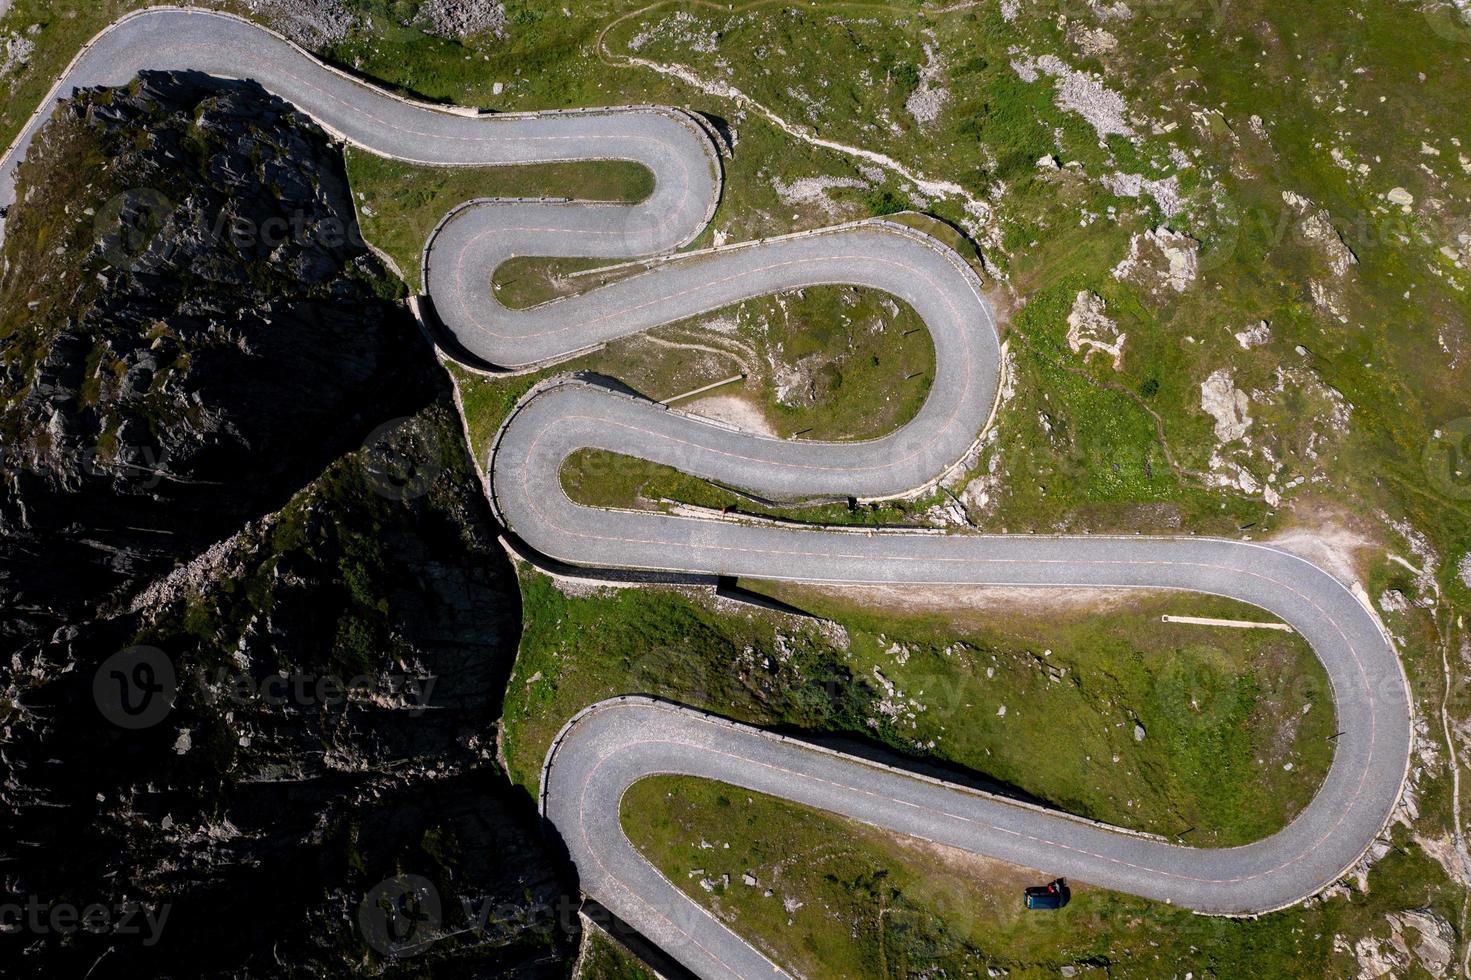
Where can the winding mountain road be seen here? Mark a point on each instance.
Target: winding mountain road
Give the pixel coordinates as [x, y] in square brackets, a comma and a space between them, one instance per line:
[612, 745]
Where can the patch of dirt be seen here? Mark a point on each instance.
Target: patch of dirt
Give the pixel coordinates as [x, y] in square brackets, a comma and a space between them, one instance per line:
[1330, 537]
[955, 600]
[988, 873]
[743, 413]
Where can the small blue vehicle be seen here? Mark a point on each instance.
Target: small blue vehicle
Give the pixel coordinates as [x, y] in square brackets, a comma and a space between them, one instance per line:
[1053, 895]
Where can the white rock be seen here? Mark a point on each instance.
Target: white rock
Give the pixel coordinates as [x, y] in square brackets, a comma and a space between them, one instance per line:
[1222, 401]
[1166, 192]
[1254, 336]
[1160, 259]
[1089, 327]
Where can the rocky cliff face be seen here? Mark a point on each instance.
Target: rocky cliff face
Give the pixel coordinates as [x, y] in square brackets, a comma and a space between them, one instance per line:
[191, 331]
[255, 618]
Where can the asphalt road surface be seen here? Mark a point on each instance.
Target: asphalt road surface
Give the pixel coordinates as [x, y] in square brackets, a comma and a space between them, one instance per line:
[612, 745]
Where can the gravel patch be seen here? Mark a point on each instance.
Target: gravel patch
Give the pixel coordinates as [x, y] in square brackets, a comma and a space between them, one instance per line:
[310, 23]
[1079, 92]
[1166, 193]
[813, 190]
[463, 18]
[734, 410]
[927, 101]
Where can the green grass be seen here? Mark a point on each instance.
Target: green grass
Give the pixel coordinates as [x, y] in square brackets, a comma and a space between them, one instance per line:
[1225, 712]
[485, 403]
[1089, 439]
[880, 905]
[604, 479]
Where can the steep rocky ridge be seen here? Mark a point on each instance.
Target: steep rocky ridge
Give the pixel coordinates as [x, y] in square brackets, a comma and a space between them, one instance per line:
[191, 329]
